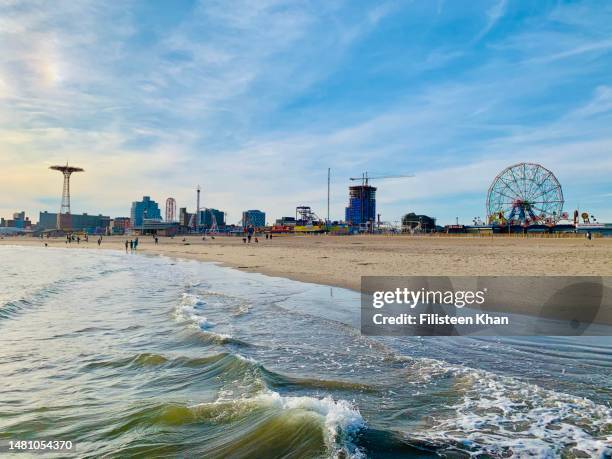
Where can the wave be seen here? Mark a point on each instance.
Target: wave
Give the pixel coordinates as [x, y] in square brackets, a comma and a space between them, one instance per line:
[231, 367]
[193, 300]
[324, 384]
[32, 299]
[282, 426]
[500, 416]
[11, 308]
[139, 360]
[189, 308]
[486, 414]
[220, 339]
[341, 420]
[37, 296]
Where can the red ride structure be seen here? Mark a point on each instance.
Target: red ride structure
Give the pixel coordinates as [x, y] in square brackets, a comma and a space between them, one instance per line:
[170, 209]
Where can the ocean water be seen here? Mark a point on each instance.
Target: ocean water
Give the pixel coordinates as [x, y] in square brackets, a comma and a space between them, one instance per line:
[145, 356]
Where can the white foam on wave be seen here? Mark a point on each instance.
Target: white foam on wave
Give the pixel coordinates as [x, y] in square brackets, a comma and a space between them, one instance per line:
[189, 309]
[203, 322]
[341, 420]
[193, 300]
[248, 359]
[500, 414]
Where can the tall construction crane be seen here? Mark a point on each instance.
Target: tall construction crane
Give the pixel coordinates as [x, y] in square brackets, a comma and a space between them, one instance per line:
[365, 178]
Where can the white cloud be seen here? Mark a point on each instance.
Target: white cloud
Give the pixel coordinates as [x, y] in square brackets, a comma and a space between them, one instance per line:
[494, 14]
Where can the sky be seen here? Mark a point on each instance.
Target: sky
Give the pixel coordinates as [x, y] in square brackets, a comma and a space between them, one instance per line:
[255, 100]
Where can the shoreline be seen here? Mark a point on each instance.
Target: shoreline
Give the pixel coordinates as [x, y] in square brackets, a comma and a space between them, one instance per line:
[340, 261]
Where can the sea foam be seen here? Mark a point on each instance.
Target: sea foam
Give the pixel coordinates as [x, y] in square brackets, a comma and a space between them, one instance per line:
[341, 420]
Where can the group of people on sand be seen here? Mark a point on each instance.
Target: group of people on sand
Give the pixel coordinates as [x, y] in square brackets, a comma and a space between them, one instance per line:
[250, 234]
[70, 238]
[132, 244]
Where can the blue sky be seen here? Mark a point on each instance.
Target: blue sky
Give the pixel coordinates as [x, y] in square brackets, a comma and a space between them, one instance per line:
[254, 100]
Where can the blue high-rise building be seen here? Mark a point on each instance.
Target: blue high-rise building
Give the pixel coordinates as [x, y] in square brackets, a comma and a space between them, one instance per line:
[362, 205]
[212, 217]
[257, 218]
[145, 209]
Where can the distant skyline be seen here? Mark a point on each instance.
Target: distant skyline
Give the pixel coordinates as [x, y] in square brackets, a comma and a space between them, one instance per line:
[254, 100]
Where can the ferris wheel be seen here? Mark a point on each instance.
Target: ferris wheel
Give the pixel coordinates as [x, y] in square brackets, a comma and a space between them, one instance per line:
[525, 193]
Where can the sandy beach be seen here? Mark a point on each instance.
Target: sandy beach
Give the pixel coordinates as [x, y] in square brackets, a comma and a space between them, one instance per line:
[341, 260]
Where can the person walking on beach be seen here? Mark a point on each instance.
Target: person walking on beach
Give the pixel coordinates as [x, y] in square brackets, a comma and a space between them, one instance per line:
[131, 245]
[135, 243]
[78, 239]
[250, 231]
[126, 245]
[99, 241]
[156, 240]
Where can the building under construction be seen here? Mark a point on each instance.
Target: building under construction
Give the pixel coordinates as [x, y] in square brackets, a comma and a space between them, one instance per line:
[361, 210]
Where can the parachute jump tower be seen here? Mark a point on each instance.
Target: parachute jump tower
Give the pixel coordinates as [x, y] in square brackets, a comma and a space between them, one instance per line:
[64, 218]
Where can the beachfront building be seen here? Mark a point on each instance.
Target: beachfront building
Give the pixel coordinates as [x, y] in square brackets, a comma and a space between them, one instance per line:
[285, 221]
[157, 227]
[47, 220]
[147, 208]
[19, 221]
[93, 224]
[212, 217]
[120, 225]
[257, 218]
[418, 223]
[184, 217]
